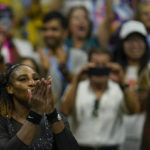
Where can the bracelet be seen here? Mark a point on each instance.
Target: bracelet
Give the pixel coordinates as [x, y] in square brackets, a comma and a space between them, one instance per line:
[34, 117]
[53, 117]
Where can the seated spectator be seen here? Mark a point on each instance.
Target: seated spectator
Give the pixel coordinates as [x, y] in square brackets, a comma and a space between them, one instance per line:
[132, 54]
[96, 104]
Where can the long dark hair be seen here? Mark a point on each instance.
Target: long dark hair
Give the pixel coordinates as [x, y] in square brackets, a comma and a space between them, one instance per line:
[6, 102]
[121, 58]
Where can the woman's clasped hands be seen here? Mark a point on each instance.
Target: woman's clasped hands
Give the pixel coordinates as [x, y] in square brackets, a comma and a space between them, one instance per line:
[40, 97]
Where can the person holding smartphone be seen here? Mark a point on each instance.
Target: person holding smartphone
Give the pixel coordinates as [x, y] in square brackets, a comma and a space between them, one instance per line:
[96, 104]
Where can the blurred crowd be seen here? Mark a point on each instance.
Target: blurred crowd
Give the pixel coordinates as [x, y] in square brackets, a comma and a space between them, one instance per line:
[97, 53]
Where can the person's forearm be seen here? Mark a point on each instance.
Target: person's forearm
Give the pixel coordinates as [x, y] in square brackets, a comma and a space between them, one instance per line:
[58, 127]
[63, 136]
[26, 133]
[68, 76]
[22, 139]
[131, 101]
[55, 5]
[14, 143]
[69, 100]
[65, 140]
[44, 60]
[104, 34]
[105, 27]
[109, 11]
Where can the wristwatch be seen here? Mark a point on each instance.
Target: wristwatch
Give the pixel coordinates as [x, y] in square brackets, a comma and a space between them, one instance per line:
[54, 117]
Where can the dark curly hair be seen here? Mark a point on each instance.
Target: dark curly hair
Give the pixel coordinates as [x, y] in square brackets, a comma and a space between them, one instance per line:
[6, 103]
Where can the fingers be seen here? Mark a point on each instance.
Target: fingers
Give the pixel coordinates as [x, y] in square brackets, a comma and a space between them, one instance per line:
[89, 65]
[50, 103]
[49, 80]
[29, 93]
[85, 69]
[41, 97]
[48, 87]
[115, 68]
[49, 92]
[30, 96]
[36, 87]
[42, 88]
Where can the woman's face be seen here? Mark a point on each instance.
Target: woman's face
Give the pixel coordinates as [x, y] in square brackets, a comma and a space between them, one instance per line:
[22, 79]
[134, 47]
[79, 24]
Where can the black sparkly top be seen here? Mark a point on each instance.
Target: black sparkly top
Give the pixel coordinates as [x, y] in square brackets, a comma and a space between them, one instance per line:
[44, 138]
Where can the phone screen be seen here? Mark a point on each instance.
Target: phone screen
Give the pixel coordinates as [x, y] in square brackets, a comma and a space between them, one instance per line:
[99, 71]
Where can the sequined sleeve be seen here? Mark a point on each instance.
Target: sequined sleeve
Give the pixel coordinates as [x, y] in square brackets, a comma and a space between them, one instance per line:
[7, 143]
[65, 140]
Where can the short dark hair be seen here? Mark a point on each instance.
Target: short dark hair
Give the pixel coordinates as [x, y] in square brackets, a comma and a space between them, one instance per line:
[55, 15]
[99, 50]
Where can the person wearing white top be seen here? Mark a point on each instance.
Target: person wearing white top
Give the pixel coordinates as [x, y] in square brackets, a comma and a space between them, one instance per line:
[107, 127]
[97, 105]
[132, 53]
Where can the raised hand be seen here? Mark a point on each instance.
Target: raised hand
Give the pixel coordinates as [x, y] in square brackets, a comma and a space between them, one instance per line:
[38, 97]
[50, 101]
[41, 100]
[83, 72]
[117, 73]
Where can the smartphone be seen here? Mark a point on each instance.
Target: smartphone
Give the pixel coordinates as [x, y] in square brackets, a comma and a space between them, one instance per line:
[99, 71]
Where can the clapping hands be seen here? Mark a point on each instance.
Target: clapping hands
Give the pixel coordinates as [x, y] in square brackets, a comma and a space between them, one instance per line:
[40, 98]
